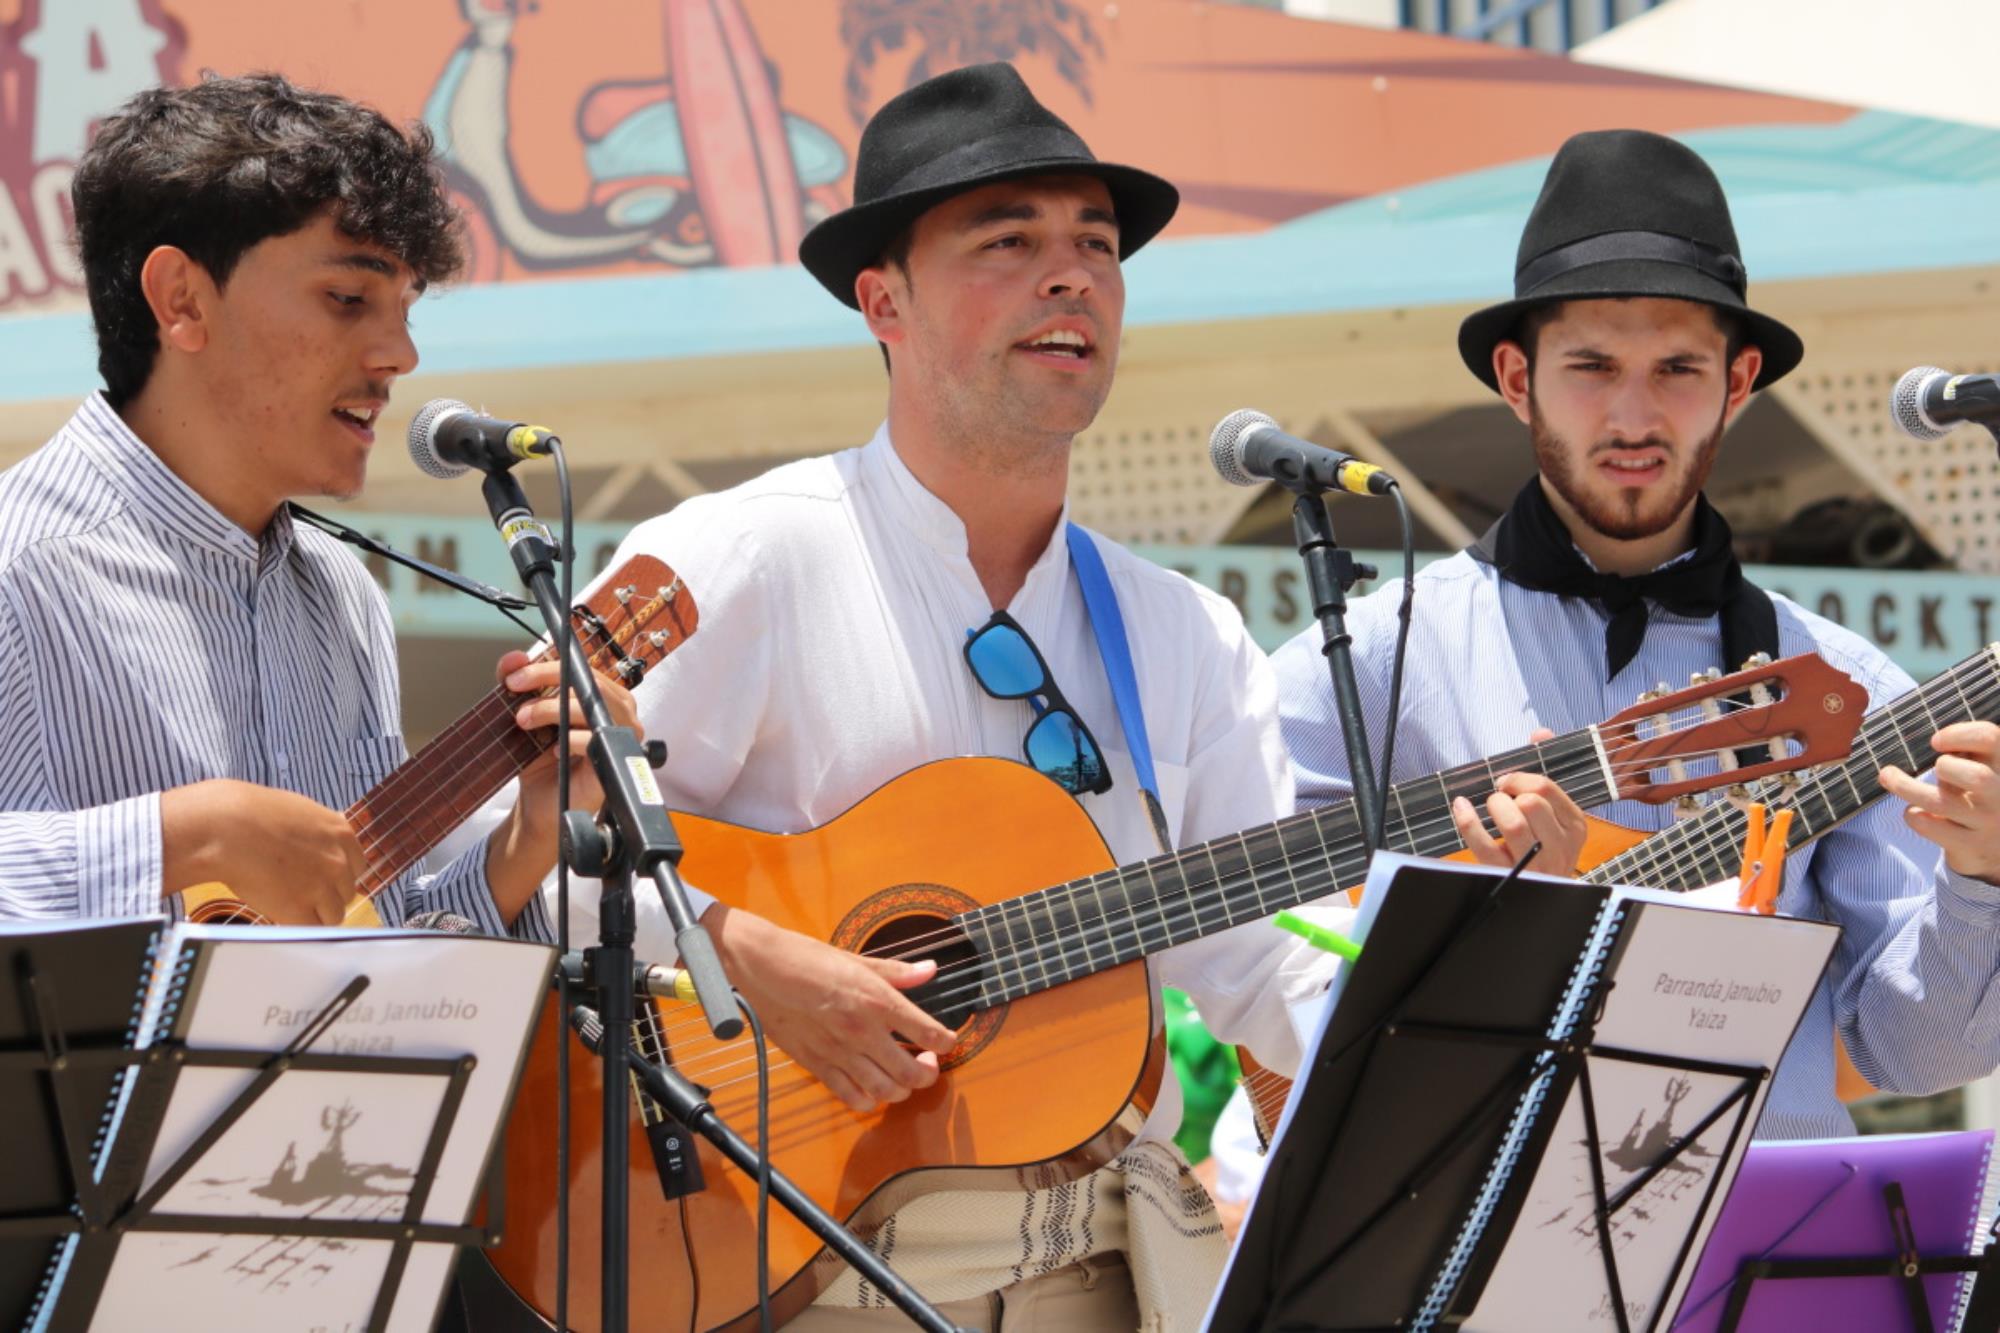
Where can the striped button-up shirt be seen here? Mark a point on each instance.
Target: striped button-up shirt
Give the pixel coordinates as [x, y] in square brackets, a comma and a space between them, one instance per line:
[147, 642]
[1911, 986]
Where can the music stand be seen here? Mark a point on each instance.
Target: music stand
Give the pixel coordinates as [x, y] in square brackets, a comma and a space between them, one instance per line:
[64, 1044]
[103, 1141]
[1407, 1105]
[1906, 1268]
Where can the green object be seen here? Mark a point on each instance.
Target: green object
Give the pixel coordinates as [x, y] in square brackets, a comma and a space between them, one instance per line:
[1207, 1071]
[1330, 940]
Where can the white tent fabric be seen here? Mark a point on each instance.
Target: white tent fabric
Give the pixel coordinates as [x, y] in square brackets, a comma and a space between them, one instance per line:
[1919, 57]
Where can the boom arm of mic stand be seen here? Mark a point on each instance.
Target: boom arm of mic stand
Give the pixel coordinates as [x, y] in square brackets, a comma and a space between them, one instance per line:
[685, 1103]
[631, 797]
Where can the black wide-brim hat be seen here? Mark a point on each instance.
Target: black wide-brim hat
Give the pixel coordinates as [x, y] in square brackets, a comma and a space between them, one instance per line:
[1626, 213]
[971, 127]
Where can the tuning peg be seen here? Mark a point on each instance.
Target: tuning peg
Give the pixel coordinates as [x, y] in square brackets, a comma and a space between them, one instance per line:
[1713, 674]
[1756, 660]
[1737, 792]
[1687, 806]
[625, 594]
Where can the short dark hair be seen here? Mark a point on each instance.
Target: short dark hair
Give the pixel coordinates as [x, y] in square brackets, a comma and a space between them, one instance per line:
[897, 254]
[1528, 332]
[216, 168]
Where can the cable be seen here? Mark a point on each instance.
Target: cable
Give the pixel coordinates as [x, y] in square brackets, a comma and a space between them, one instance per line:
[763, 1164]
[563, 554]
[1377, 834]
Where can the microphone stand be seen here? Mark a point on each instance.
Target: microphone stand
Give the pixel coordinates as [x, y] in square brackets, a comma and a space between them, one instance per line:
[1330, 573]
[637, 838]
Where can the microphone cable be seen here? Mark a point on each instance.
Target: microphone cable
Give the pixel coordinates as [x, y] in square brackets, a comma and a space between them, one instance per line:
[763, 1163]
[564, 554]
[1403, 613]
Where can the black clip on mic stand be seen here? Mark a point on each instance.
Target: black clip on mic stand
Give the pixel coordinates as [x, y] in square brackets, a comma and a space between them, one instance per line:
[640, 839]
[1330, 573]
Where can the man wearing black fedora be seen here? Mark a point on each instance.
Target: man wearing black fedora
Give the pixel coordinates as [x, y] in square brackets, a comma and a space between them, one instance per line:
[984, 250]
[1628, 349]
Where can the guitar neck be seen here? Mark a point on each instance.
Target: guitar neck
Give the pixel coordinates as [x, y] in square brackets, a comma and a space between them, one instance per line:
[1709, 848]
[410, 811]
[1073, 930]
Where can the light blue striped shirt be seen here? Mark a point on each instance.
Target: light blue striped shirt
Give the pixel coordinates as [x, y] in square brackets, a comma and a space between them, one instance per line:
[147, 643]
[1489, 661]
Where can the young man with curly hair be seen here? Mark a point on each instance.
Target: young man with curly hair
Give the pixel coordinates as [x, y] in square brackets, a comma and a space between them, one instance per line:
[194, 685]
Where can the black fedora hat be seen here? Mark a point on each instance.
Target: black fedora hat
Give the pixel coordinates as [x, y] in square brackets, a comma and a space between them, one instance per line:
[957, 132]
[1627, 213]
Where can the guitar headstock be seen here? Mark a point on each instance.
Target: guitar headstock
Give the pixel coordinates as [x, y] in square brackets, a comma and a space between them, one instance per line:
[638, 615]
[1796, 713]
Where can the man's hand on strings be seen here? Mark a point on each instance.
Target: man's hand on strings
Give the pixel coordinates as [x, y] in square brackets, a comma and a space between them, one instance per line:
[522, 850]
[1961, 812]
[841, 1015]
[1526, 808]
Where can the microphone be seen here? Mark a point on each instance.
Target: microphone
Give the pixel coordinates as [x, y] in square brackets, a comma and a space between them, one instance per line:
[1247, 447]
[1928, 402]
[447, 437]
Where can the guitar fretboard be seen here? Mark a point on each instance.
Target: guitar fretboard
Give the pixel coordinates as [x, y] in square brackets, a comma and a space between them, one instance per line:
[1709, 848]
[410, 811]
[1073, 930]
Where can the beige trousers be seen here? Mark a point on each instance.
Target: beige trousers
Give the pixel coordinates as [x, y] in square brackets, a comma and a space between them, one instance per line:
[1093, 1295]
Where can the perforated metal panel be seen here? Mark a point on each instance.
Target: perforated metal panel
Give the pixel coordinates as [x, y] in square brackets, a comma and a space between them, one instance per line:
[1949, 488]
[1153, 483]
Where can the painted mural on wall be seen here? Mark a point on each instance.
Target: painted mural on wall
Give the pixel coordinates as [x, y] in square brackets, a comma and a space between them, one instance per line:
[605, 136]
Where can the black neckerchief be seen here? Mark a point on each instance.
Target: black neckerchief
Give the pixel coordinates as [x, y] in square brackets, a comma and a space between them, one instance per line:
[1530, 546]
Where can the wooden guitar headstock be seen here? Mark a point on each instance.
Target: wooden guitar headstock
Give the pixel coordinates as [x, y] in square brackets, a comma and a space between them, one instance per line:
[1770, 706]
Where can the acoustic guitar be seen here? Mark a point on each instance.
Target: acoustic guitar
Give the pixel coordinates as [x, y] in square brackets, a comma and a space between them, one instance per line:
[1709, 847]
[1047, 989]
[635, 619]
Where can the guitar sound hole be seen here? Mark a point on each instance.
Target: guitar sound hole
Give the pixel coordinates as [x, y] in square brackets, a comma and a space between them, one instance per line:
[952, 996]
[226, 914]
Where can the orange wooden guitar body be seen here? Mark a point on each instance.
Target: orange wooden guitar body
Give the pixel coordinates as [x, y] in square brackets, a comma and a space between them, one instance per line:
[916, 851]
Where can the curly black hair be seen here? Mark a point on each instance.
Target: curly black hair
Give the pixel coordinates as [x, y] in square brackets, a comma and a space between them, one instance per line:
[218, 167]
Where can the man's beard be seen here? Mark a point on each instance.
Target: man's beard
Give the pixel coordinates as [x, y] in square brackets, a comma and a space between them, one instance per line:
[1634, 513]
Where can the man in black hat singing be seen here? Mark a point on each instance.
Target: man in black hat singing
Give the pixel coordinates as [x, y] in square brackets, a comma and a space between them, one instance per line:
[1626, 352]
[984, 250]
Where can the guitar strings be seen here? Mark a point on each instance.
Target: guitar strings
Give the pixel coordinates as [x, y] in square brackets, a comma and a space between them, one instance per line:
[1466, 780]
[484, 736]
[1894, 719]
[1187, 910]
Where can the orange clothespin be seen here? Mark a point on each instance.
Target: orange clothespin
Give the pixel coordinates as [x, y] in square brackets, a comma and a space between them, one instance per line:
[1763, 872]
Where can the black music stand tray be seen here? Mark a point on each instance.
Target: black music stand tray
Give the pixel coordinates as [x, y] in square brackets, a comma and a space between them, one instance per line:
[98, 1213]
[1407, 1102]
[1906, 1268]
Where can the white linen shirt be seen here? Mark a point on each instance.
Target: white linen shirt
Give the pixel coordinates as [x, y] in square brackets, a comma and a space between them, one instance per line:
[835, 594]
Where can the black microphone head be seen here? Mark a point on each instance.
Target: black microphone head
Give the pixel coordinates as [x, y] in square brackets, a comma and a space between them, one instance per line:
[423, 438]
[589, 1027]
[1906, 404]
[445, 923]
[1225, 444]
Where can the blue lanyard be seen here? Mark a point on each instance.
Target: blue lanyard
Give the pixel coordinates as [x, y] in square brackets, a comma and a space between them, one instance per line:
[1115, 650]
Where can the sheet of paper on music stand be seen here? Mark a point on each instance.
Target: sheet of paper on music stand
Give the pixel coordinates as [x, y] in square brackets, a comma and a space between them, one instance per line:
[1702, 985]
[320, 1144]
